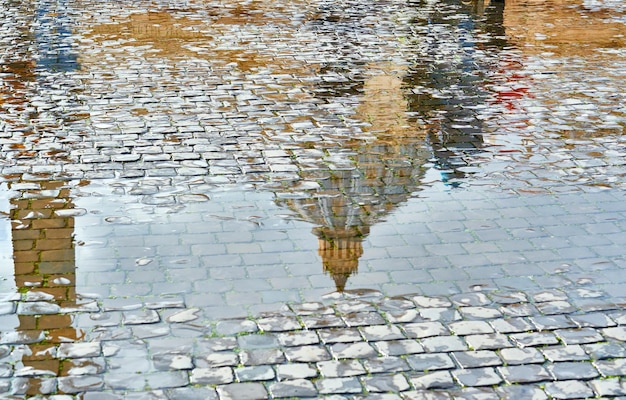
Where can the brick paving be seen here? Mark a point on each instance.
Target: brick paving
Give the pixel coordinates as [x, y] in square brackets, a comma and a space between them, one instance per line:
[236, 200]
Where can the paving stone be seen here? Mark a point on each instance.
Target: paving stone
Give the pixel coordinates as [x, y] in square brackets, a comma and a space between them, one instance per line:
[615, 367]
[354, 306]
[548, 295]
[398, 316]
[138, 317]
[519, 310]
[311, 353]
[444, 344]
[278, 324]
[618, 316]
[340, 368]
[553, 322]
[77, 384]
[211, 376]
[529, 392]
[440, 314]
[599, 351]
[475, 359]
[477, 377]
[431, 301]
[256, 373]
[524, 374]
[167, 379]
[555, 307]
[324, 321]
[181, 316]
[216, 344]
[386, 383]
[232, 327]
[242, 391]
[81, 366]
[295, 371]
[463, 328]
[515, 356]
[568, 390]
[381, 332]
[425, 329]
[565, 353]
[149, 331]
[433, 380]
[340, 335]
[470, 299]
[534, 339]
[488, 341]
[572, 370]
[385, 364]
[579, 336]
[218, 359]
[6, 370]
[593, 320]
[608, 387]
[379, 396]
[188, 393]
[509, 297]
[266, 341]
[396, 303]
[176, 361]
[262, 357]
[353, 350]
[298, 338]
[511, 325]
[474, 393]
[79, 350]
[399, 347]
[480, 312]
[123, 381]
[363, 319]
[426, 395]
[338, 386]
[297, 388]
[617, 333]
[430, 362]
[309, 308]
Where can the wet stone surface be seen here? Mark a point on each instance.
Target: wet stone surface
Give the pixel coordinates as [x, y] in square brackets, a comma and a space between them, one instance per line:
[249, 200]
[124, 367]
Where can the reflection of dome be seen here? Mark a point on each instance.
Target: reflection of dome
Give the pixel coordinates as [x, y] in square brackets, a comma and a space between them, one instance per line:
[340, 250]
[373, 181]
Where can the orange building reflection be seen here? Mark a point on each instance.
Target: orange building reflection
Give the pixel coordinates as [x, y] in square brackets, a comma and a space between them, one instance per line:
[42, 226]
[562, 27]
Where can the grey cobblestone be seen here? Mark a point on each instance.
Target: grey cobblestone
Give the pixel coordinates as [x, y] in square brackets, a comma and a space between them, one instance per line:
[350, 361]
[195, 139]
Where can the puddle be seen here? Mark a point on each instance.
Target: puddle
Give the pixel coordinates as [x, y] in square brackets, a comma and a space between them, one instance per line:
[229, 158]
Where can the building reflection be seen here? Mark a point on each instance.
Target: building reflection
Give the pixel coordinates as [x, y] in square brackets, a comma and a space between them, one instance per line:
[41, 211]
[450, 92]
[563, 27]
[53, 36]
[382, 176]
[367, 179]
[42, 227]
[411, 130]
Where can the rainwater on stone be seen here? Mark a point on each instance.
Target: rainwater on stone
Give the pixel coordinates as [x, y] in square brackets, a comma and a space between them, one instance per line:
[231, 157]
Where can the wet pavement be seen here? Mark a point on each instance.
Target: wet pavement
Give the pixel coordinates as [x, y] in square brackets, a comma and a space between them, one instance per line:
[394, 200]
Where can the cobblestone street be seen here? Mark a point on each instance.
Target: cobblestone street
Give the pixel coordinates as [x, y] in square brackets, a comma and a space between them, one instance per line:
[399, 200]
